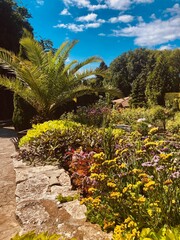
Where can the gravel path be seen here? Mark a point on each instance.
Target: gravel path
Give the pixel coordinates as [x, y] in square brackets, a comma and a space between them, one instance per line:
[8, 224]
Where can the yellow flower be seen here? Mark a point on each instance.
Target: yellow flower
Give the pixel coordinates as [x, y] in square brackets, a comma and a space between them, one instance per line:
[91, 190]
[150, 183]
[143, 175]
[108, 225]
[135, 170]
[153, 130]
[150, 144]
[111, 184]
[127, 220]
[173, 201]
[109, 162]
[165, 156]
[124, 189]
[139, 151]
[96, 201]
[100, 155]
[94, 167]
[167, 182]
[141, 199]
[135, 186]
[115, 195]
[150, 211]
[123, 165]
[124, 151]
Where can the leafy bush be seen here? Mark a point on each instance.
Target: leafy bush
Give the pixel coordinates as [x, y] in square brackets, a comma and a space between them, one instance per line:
[125, 187]
[40, 236]
[164, 233]
[47, 143]
[93, 115]
[64, 199]
[174, 125]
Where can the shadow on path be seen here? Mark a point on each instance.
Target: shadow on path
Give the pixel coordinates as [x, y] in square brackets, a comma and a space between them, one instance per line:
[7, 132]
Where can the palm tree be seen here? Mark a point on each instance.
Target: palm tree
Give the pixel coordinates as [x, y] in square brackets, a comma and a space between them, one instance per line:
[43, 79]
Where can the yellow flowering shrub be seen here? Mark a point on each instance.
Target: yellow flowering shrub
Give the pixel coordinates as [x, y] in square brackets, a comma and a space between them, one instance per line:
[138, 187]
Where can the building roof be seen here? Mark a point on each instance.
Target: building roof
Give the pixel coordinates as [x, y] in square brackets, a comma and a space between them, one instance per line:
[124, 102]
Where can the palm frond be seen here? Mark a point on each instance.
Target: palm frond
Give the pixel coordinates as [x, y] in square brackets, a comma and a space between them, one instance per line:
[8, 60]
[84, 63]
[33, 49]
[14, 85]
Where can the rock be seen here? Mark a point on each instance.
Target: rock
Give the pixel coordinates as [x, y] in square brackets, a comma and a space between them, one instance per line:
[75, 209]
[37, 189]
[33, 188]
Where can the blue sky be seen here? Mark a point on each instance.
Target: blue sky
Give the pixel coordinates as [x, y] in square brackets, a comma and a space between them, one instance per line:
[106, 28]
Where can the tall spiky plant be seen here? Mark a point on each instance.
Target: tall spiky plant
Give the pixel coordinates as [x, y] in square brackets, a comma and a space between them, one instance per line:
[44, 79]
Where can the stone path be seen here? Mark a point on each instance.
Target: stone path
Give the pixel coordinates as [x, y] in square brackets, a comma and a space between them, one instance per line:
[8, 223]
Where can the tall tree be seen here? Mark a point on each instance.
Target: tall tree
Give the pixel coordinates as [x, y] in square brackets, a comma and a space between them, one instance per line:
[44, 80]
[126, 68]
[12, 21]
[158, 82]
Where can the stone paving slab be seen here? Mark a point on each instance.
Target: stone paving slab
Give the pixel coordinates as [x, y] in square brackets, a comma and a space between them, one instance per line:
[8, 224]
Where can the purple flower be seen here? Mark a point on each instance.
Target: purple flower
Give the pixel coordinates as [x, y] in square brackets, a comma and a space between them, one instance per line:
[160, 168]
[155, 159]
[175, 174]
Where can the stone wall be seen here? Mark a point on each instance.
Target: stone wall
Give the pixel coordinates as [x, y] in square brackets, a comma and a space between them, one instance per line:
[38, 209]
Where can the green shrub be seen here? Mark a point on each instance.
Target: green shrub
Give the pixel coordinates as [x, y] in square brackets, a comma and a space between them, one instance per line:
[22, 114]
[40, 236]
[94, 115]
[64, 199]
[173, 125]
[139, 187]
[165, 233]
[47, 143]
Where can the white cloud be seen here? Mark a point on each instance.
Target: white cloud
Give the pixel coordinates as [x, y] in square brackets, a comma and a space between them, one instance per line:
[103, 4]
[40, 2]
[85, 4]
[153, 33]
[79, 3]
[122, 18]
[118, 4]
[65, 12]
[97, 7]
[71, 26]
[166, 47]
[153, 16]
[102, 34]
[174, 10]
[78, 28]
[92, 25]
[140, 19]
[143, 1]
[88, 18]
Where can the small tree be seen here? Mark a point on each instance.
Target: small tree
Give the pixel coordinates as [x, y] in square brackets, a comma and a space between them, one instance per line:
[44, 80]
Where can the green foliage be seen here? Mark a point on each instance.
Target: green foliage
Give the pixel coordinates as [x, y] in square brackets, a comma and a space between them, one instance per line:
[48, 142]
[40, 236]
[164, 233]
[125, 187]
[172, 100]
[23, 113]
[173, 125]
[147, 75]
[13, 18]
[127, 67]
[64, 199]
[141, 118]
[44, 80]
[93, 115]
